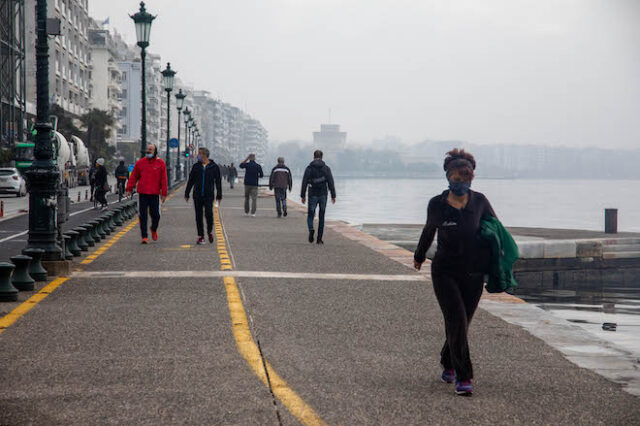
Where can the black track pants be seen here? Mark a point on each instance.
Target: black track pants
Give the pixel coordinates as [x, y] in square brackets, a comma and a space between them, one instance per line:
[458, 294]
[206, 205]
[148, 203]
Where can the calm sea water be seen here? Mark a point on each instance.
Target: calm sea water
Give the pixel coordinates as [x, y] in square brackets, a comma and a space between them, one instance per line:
[568, 204]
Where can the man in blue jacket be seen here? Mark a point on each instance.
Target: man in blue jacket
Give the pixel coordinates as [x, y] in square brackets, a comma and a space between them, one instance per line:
[207, 184]
[252, 175]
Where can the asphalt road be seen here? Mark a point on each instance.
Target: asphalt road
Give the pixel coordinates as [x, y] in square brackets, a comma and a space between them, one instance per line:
[153, 335]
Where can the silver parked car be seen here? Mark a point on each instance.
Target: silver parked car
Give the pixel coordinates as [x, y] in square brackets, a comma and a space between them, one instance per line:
[11, 182]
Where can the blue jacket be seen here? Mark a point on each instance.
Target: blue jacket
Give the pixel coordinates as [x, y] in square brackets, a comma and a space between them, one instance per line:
[253, 173]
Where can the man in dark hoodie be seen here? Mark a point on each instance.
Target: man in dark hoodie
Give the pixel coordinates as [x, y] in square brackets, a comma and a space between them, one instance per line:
[279, 181]
[319, 179]
[207, 184]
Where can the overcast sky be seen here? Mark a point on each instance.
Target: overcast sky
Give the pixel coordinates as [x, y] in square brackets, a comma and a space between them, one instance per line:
[555, 72]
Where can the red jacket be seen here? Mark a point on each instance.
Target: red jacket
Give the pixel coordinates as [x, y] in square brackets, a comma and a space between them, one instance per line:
[151, 176]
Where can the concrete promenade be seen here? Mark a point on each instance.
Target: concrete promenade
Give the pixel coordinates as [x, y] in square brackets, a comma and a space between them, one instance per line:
[175, 333]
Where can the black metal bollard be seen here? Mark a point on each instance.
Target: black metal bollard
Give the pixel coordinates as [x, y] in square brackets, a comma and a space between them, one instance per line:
[73, 243]
[111, 223]
[611, 221]
[67, 253]
[82, 243]
[94, 231]
[8, 293]
[36, 270]
[117, 217]
[100, 228]
[88, 238]
[21, 278]
[106, 226]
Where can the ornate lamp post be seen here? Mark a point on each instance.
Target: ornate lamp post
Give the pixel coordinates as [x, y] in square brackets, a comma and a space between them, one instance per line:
[168, 74]
[143, 21]
[43, 175]
[179, 104]
[187, 122]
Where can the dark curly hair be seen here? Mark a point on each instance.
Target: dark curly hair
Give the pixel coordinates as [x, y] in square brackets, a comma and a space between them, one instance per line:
[461, 161]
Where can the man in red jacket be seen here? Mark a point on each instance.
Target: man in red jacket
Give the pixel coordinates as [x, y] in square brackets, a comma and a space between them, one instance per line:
[150, 173]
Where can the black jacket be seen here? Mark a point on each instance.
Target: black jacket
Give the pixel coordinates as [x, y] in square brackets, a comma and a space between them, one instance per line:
[122, 170]
[459, 248]
[318, 178]
[101, 177]
[205, 185]
[253, 173]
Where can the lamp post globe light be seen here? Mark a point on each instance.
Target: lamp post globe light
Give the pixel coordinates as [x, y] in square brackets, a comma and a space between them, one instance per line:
[43, 175]
[143, 21]
[179, 104]
[168, 74]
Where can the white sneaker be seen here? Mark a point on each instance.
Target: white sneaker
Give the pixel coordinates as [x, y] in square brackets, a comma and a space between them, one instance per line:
[253, 215]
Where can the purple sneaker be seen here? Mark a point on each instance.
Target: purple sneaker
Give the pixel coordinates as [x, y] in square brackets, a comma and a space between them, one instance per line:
[448, 375]
[464, 388]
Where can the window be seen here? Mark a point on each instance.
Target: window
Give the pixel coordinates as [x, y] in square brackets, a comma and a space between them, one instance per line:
[124, 76]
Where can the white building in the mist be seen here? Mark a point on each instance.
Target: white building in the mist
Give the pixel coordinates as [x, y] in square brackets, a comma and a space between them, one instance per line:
[330, 138]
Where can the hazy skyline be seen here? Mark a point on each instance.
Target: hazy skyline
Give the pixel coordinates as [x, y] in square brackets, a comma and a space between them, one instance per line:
[563, 72]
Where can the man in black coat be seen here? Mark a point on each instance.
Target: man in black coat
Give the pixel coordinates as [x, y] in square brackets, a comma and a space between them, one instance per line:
[319, 180]
[206, 183]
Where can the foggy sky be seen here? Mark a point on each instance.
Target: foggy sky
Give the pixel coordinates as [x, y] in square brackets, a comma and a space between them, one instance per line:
[553, 72]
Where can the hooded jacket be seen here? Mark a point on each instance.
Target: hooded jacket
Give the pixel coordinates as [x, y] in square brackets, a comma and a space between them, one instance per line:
[151, 176]
[280, 177]
[205, 181]
[319, 179]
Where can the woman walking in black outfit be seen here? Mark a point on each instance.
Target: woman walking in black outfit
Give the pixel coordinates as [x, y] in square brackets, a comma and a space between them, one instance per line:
[457, 266]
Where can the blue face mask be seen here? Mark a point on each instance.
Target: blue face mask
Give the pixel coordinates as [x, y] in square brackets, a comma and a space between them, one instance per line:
[459, 188]
[149, 155]
[199, 158]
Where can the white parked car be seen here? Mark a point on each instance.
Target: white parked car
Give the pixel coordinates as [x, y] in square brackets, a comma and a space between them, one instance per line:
[11, 182]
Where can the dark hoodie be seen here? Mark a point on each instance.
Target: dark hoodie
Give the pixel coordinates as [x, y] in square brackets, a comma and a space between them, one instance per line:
[205, 182]
[319, 179]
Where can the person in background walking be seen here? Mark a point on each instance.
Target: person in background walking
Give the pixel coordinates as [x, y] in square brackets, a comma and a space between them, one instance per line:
[319, 179]
[92, 179]
[232, 174]
[150, 175]
[279, 180]
[122, 174]
[252, 175]
[100, 183]
[457, 267]
[206, 182]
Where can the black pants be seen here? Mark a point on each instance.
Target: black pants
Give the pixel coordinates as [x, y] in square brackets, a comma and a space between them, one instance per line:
[150, 203]
[101, 196]
[205, 204]
[458, 294]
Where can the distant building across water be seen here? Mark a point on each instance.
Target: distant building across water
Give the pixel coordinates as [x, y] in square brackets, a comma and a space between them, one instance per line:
[330, 138]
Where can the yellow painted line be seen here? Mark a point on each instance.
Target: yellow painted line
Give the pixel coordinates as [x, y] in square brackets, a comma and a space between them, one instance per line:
[250, 351]
[28, 304]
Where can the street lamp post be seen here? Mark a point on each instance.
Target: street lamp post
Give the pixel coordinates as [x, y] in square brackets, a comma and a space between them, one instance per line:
[187, 121]
[168, 74]
[143, 21]
[43, 175]
[179, 103]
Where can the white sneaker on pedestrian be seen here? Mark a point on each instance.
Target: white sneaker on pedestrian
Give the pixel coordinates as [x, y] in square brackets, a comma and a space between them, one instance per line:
[253, 215]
